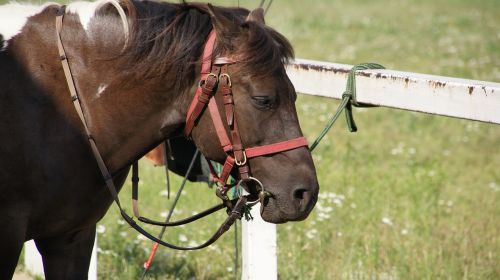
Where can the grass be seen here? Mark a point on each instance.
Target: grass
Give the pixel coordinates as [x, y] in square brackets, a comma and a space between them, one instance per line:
[410, 196]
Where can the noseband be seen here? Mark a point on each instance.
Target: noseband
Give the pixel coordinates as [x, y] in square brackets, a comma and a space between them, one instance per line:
[215, 79]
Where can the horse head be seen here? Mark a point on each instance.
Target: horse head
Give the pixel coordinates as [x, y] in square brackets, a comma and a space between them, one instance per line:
[148, 62]
[265, 112]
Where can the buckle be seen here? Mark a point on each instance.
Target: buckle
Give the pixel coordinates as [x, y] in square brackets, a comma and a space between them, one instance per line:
[228, 78]
[243, 162]
[202, 82]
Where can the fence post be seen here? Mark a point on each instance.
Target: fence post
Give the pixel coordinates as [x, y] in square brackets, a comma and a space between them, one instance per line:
[260, 261]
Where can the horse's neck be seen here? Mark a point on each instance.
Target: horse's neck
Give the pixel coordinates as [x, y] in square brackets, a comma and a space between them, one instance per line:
[126, 114]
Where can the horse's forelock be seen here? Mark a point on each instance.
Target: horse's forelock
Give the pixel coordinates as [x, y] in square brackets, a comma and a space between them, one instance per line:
[263, 48]
[250, 41]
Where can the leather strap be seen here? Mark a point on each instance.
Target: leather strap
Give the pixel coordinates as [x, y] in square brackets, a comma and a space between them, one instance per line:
[219, 126]
[184, 221]
[196, 107]
[78, 106]
[235, 214]
[276, 147]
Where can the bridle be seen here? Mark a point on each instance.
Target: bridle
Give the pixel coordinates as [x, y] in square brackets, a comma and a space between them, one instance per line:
[215, 78]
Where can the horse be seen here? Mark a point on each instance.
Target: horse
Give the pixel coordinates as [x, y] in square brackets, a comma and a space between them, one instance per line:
[136, 66]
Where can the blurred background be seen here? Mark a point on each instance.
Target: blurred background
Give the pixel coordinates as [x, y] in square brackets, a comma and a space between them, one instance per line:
[409, 196]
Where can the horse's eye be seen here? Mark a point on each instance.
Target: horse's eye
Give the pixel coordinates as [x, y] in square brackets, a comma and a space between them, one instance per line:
[263, 102]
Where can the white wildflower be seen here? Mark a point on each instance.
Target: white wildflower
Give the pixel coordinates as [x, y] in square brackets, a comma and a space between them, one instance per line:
[387, 221]
[120, 222]
[100, 229]
[328, 209]
[141, 237]
[332, 195]
[323, 216]
[305, 107]
[404, 231]
[339, 234]
[398, 150]
[311, 233]
[163, 214]
[338, 202]
[213, 247]
[123, 234]
[182, 238]
[317, 158]
[164, 193]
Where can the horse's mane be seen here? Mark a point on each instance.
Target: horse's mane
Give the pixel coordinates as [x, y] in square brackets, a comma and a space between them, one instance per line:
[168, 39]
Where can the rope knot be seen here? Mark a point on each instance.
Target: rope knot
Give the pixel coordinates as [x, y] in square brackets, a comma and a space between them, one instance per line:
[348, 100]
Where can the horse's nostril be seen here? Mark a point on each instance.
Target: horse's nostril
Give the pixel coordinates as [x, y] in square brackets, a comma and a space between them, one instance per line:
[299, 193]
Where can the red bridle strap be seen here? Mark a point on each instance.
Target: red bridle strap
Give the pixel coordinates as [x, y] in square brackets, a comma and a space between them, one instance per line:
[219, 127]
[276, 147]
[203, 92]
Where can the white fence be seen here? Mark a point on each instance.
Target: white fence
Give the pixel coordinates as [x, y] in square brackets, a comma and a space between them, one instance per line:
[461, 98]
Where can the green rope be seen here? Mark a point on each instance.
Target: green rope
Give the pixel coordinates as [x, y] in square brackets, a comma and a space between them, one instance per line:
[246, 212]
[348, 100]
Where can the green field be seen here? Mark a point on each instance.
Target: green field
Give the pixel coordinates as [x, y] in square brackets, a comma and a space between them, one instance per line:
[410, 196]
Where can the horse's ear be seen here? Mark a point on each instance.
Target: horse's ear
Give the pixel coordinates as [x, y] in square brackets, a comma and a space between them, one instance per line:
[256, 15]
[225, 27]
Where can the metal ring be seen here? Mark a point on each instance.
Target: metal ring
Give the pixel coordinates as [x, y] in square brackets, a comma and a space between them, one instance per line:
[240, 163]
[228, 78]
[261, 189]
